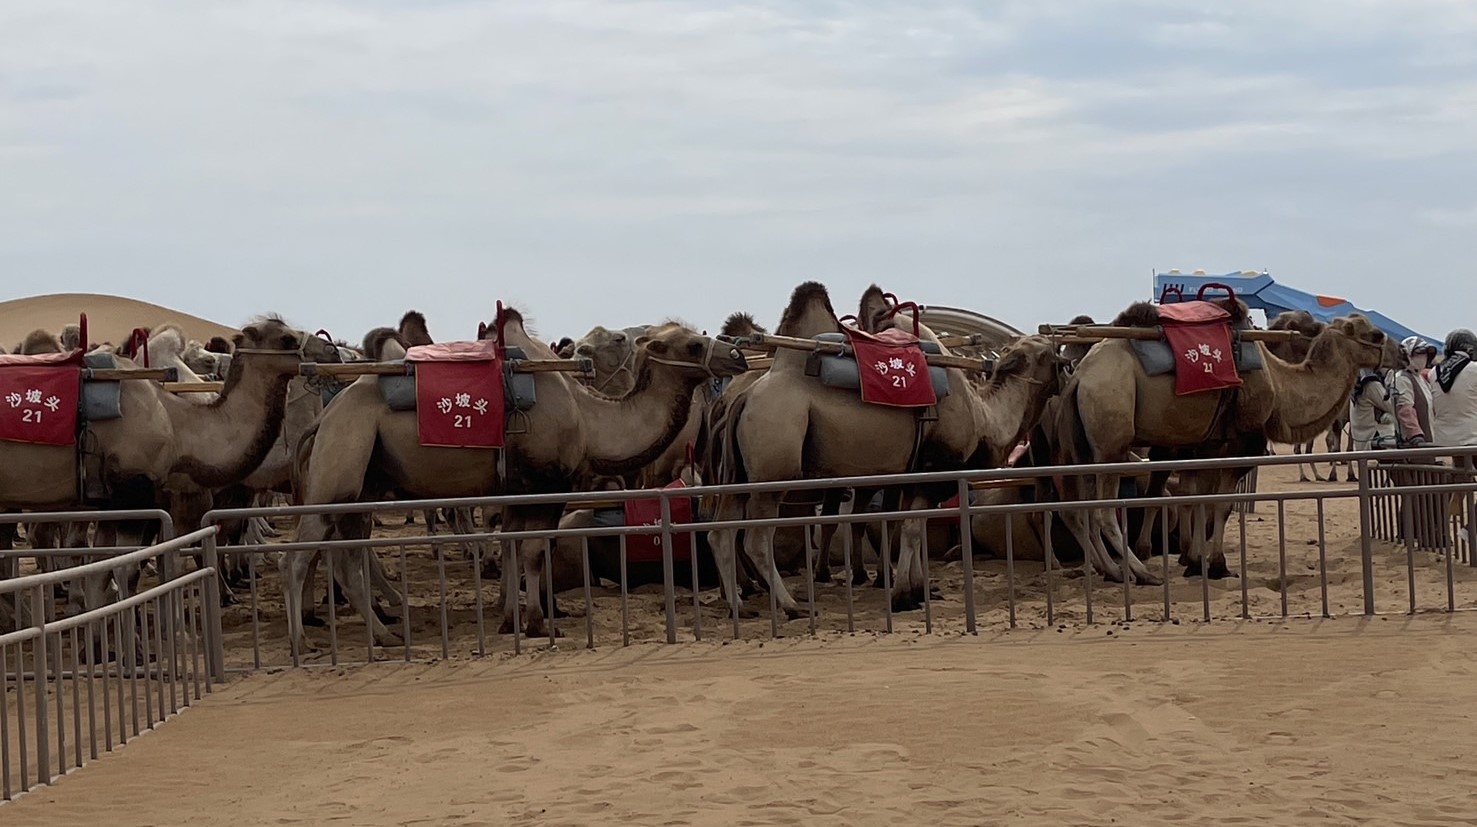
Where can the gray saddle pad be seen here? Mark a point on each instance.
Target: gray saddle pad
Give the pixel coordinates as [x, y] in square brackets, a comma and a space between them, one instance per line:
[101, 399]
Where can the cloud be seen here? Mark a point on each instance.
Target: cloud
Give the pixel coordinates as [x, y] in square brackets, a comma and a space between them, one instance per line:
[619, 162]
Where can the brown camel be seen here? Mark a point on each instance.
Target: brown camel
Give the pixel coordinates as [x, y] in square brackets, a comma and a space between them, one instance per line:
[788, 426]
[361, 449]
[1111, 404]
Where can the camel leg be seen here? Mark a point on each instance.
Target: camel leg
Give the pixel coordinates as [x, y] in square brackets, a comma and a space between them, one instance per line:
[1132, 565]
[759, 546]
[908, 586]
[830, 507]
[296, 571]
[1083, 526]
[348, 572]
[1144, 545]
[382, 584]
[724, 542]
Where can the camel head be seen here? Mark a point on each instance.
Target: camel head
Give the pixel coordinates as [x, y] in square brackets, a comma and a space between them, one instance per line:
[693, 355]
[1074, 353]
[270, 336]
[319, 349]
[1303, 322]
[1368, 341]
[1032, 359]
[610, 350]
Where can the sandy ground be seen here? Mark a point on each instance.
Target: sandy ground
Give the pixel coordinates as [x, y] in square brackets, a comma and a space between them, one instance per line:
[109, 318]
[1345, 721]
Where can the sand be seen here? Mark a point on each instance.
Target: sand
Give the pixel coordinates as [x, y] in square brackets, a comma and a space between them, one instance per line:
[109, 318]
[1343, 721]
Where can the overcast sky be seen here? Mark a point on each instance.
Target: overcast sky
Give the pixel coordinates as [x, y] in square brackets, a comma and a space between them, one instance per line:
[619, 162]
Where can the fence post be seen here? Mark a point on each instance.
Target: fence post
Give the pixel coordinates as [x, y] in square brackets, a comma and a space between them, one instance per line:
[1366, 546]
[669, 586]
[42, 681]
[215, 654]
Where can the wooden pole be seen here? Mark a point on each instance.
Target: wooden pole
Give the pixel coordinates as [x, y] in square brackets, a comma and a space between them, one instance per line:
[407, 369]
[119, 374]
[1079, 334]
[194, 387]
[770, 341]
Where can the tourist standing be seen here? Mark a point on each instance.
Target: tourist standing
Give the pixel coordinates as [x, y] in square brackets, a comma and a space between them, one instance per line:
[1413, 393]
[1371, 413]
[1454, 393]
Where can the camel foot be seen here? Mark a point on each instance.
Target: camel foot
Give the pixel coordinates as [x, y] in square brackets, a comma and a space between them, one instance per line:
[823, 574]
[909, 602]
[506, 627]
[385, 617]
[746, 613]
[954, 554]
[1218, 570]
[558, 612]
[794, 613]
[860, 578]
[310, 619]
[1148, 578]
[540, 629]
[491, 570]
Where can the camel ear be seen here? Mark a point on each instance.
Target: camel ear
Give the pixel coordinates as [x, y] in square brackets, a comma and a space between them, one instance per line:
[239, 339]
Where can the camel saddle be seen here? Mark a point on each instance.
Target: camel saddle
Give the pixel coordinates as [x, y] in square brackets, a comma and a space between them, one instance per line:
[842, 371]
[1160, 357]
[518, 388]
[647, 548]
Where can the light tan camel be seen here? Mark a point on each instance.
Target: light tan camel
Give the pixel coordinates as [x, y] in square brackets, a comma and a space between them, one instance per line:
[1111, 404]
[788, 426]
[1294, 352]
[163, 445]
[360, 448]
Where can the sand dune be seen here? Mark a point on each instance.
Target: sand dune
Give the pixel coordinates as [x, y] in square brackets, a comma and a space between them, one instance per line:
[109, 318]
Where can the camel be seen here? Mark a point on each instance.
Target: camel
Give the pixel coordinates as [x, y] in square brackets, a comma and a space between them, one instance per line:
[359, 448]
[788, 426]
[1294, 352]
[613, 353]
[1110, 404]
[162, 443]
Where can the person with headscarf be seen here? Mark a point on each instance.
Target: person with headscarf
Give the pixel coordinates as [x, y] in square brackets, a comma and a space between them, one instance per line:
[1413, 393]
[1454, 393]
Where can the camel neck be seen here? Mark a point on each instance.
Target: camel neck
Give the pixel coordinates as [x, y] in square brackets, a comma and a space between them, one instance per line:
[223, 442]
[1008, 410]
[631, 432]
[1312, 393]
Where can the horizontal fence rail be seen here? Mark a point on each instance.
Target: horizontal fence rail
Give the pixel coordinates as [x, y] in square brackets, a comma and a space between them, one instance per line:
[78, 686]
[1008, 562]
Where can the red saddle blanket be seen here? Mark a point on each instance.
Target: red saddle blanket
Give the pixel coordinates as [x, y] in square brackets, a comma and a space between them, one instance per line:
[1199, 336]
[647, 548]
[894, 369]
[39, 398]
[458, 394]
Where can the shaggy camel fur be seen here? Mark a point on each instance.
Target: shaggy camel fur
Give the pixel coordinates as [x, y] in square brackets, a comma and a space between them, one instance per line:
[359, 448]
[1110, 404]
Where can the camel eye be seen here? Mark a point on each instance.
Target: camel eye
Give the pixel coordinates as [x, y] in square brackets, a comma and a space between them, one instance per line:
[696, 348]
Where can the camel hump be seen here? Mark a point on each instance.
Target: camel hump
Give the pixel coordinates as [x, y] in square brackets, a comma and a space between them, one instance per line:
[40, 341]
[740, 324]
[809, 298]
[413, 329]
